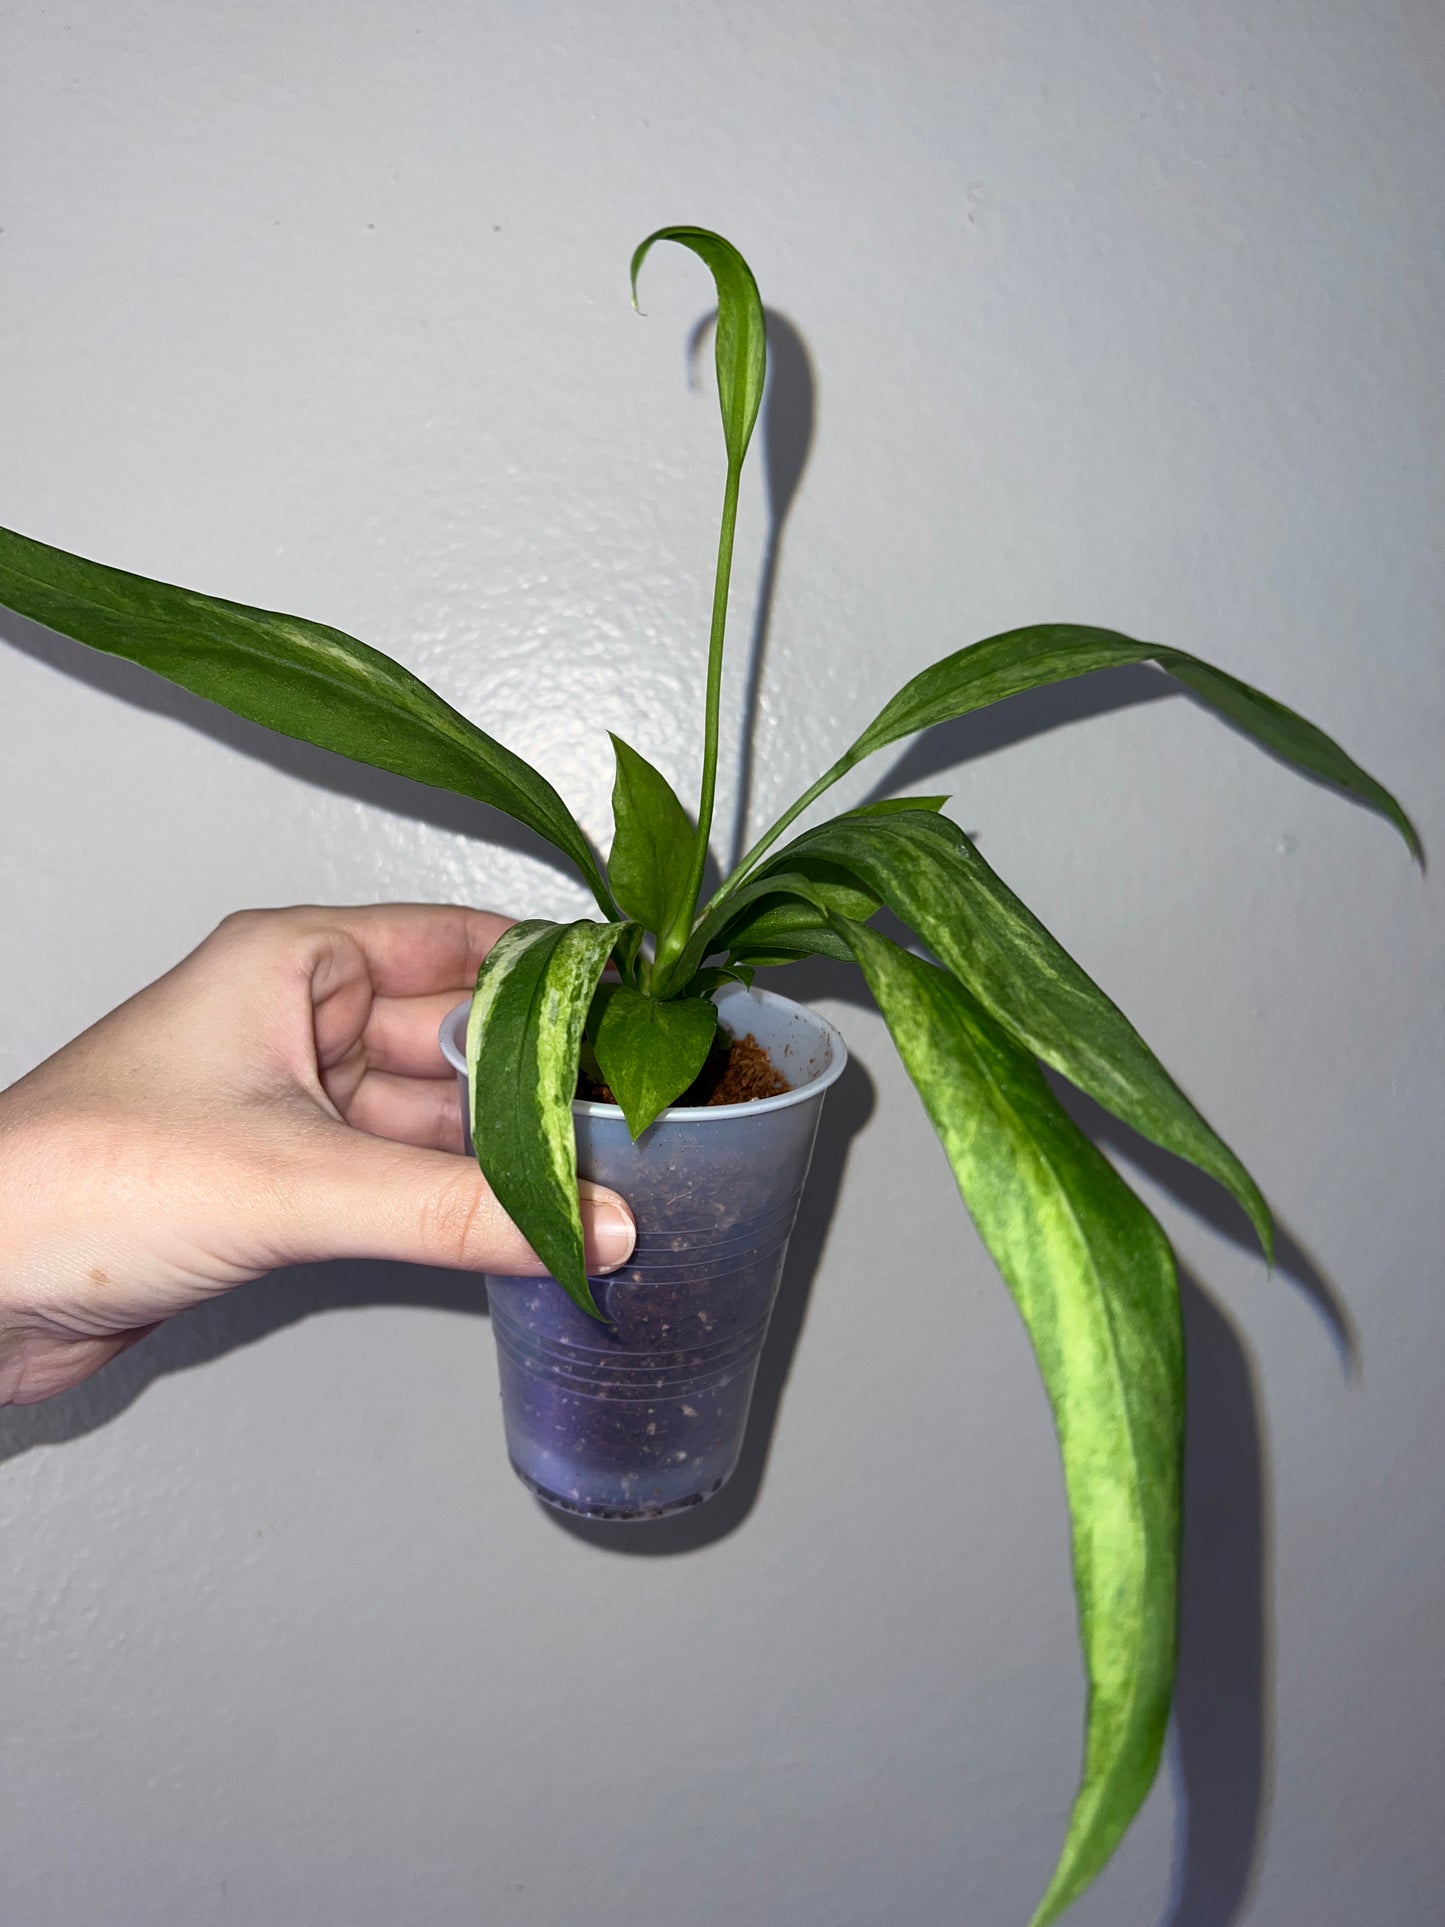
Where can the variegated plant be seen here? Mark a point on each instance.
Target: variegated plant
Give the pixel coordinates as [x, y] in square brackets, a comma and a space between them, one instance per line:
[1089, 1268]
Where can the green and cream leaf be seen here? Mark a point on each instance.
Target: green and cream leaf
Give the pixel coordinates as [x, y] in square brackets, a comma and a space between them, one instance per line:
[1093, 1277]
[524, 1037]
[930, 875]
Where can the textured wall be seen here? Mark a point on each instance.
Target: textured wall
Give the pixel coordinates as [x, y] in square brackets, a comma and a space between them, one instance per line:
[1123, 313]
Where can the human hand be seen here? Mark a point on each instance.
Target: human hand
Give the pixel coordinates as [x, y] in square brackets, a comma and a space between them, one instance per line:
[277, 1098]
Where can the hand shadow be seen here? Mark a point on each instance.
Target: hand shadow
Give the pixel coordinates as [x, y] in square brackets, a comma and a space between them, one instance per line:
[240, 1317]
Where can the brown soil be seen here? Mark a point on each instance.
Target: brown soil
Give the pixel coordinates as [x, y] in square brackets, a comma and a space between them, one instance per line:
[735, 1073]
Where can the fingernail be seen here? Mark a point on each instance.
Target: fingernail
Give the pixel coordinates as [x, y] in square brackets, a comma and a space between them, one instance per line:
[611, 1234]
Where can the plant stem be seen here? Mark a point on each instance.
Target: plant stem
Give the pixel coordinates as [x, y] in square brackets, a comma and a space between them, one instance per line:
[770, 836]
[672, 942]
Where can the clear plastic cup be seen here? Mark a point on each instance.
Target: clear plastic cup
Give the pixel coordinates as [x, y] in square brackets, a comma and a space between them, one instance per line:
[643, 1415]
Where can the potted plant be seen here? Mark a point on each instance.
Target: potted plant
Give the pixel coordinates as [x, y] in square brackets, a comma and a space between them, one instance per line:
[671, 1343]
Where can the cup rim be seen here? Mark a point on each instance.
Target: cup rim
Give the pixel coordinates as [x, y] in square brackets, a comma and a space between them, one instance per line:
[455, 1022]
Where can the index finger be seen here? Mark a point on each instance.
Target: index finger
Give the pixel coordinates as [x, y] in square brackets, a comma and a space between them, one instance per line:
[415, 949]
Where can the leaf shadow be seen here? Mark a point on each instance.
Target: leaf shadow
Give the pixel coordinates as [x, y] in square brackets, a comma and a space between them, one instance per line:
[1017, 719]
[1208, 1202]
[1219, 1751]
[337, 775]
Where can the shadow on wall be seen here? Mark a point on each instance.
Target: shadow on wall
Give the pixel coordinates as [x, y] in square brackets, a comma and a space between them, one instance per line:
[241, 1317]
[1220, 1749]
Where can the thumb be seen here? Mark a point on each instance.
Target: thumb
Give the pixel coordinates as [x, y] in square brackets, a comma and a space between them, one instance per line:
[368, 1197]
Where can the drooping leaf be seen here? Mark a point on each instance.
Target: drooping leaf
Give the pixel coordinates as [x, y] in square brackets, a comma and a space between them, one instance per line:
[1093, 1276]
[523, 1041]
[649, 1051]
[652, 847]
[296, 677]
[930, 875]
[986, 672]
[741, 329]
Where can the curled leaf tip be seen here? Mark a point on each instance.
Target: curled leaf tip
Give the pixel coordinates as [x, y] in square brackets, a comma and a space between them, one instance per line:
[741, 350]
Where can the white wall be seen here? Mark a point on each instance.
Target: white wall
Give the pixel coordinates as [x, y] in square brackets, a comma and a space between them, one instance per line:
[1128, 314]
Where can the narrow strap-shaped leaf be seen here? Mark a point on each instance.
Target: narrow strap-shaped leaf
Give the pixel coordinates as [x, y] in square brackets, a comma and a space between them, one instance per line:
[1093, 1276]
[930, 875]
[649, 1051]
[296, 677]
[986, 672]
[523, 1041]
[652, 848]
[741, 329]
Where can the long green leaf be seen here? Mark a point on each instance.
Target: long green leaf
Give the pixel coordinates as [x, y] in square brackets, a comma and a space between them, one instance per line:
[1000, 666]
[741, 342]
[1051, 652]
[523, 1041]
[294, 676]
[652, 847]
[649, 1051]
[1093, 1277]
[929, 874]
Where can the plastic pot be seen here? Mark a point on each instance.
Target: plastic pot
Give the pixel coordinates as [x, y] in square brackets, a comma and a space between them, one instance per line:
[643, 1415]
